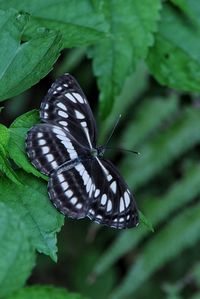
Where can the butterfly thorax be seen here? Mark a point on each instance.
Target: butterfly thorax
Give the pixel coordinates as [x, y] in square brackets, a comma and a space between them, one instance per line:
[96, 152]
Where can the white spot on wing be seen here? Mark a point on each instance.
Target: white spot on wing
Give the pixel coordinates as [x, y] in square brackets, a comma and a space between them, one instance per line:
[68, 144]
[109, 177]
[70, 97]
[78, 97]
[39, 135]
[121, 205]
[84, 124]
[62, 114]
[73, 200]
[41, 141]
[79, 206]
[61, 178]
[45, 149]
[88, 186]
[97, 192]
[59, 132]
[61, 137]
[88, 137]
[113, 186]
[109, 206]
[59, 88]
[79, 115]
[85, 177]
[62, 106]
[80, 168]
[50, 157]
[54, 164]
[127, 199]
[69, 193]
[64, 185]
[91, 190]
[63, 123]
[91, 211]
[103, 199]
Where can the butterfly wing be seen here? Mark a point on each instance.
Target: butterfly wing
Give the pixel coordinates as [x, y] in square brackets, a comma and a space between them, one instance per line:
[48, 146]
[66, 105]
[93, 188]
[68, 128]
[112, 203]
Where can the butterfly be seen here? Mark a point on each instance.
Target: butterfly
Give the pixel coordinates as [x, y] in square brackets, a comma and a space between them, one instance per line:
[81, 182]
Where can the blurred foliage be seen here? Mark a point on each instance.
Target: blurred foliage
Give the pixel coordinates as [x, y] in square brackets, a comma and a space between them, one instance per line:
[146, 59]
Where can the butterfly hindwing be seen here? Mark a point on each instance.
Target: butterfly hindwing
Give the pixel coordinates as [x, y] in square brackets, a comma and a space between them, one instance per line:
[66, 105]
[66, 188]
[112, 203]
[93, 188]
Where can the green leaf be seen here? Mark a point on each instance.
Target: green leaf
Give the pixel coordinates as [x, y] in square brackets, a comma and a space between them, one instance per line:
[4, 136]
[131, 93]
[79, 24]
[196, 296]
[158, 211]
[16, 148]
[181, 233]
[190, 8]
[173, 142]
[99, 288]
[29, 61]
[146, 221]
[31, 203]
[145, 123]
[45, 292]
[130, 34]
[16, 254]
[174, 59]
[5, 166]
[26, 120]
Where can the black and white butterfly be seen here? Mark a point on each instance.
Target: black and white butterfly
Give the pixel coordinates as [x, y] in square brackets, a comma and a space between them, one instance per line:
[81, 183]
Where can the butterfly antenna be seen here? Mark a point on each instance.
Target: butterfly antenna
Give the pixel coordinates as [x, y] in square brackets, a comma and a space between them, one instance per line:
[112, 132]
[123, 150]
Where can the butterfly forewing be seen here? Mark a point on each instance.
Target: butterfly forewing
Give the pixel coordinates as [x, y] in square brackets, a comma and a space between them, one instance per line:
[49, 146]
[66, 105]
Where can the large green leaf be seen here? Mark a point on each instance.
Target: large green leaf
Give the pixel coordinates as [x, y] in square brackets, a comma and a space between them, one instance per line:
[5, 166]
[181, 233]
[163, 148]
[145, 123]
[24, 63]
[79, 22]
[45, 292]
[132, 24]
[129, 94]
[17, 257]
[16, 148]
[31, 203]
[175, 58]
